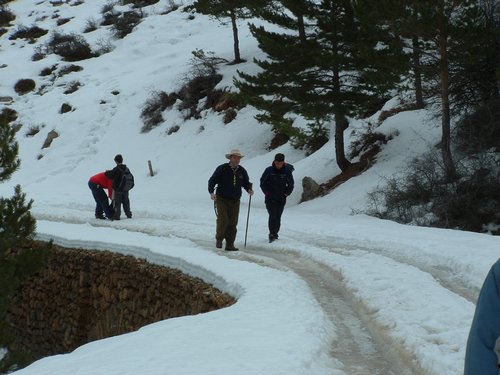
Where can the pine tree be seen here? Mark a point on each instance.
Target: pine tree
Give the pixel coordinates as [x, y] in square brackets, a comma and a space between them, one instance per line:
[226, 9]
[17, 225]
[322, 66]
[16, 222]
[350, 72]
[396, 23]
[454, 43]
[475, 80]
[273, 90]
[9, 149]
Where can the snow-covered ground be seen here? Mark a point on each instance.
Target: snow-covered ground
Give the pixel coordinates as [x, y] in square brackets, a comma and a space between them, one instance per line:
[409, 292]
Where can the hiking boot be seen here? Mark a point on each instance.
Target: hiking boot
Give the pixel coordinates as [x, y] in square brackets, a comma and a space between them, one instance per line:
[273, 237]
[218, 244]
[100, 217]
[129, 216]
[231, 248]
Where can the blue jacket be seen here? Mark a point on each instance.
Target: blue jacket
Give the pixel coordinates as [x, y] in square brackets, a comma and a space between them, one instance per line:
[481, 356]
[229, 182]
[277, 184]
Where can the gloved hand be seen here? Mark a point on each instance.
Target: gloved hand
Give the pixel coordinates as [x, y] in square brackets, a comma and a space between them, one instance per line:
[213, 196]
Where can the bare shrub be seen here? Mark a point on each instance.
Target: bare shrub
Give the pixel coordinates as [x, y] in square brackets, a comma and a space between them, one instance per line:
[108, 7]
[23, 86]
[368, 141]
[194, 90]
[28, 33]
[69, 69]
[420, 196]
[157, 102]
[8, 114]
[71, 47]
[40, 53]
[48, 71]
[139, 3]
[62, 21]
[125, 23]
[480, 130]
[6, 16]
[173, 129]
[384, 115]
[32, 131]
[90, 25]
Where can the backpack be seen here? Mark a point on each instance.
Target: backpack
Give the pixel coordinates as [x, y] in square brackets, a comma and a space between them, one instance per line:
[126, 181]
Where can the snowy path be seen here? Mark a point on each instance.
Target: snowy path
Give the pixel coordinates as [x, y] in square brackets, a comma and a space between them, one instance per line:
[441, 272]
[370, 336]
[361, 346]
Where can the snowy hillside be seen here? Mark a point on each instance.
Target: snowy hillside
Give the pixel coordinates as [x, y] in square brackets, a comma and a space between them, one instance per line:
[339, 293]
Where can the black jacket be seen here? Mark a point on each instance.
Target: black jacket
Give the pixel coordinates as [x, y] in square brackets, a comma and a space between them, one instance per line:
[116, 173]
[229, 182]
[277, 184]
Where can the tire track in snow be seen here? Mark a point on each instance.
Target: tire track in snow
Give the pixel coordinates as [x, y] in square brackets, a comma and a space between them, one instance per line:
[442, 273]
[361, 346]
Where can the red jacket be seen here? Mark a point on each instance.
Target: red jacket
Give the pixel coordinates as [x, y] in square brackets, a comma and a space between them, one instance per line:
[104, 182]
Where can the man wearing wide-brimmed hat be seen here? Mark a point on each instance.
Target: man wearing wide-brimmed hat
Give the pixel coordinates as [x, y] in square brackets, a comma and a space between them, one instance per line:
[229, 179]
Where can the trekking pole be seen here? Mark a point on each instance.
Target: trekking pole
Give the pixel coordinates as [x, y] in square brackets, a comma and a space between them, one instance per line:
[248, 216]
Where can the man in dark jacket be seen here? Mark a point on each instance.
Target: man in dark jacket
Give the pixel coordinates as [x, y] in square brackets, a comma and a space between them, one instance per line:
[229, 179]
[119, 196]
[277, 184]
[482, 356]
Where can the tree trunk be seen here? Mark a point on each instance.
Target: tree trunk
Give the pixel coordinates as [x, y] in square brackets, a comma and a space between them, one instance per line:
[341, 125]
[301, 28]
[417, 71]
[237, 57]
[449, 166]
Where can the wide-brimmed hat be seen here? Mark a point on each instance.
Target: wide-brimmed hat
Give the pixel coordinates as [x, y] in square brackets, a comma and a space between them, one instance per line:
[234, 152]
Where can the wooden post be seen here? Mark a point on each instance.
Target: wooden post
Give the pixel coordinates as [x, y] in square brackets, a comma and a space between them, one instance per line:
[151, 173]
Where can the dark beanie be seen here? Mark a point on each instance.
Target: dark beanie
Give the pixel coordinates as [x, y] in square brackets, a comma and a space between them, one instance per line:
[119, 159]
[279, 157]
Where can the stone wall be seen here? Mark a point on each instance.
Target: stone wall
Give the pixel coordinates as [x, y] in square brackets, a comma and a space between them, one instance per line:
[83, 295]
